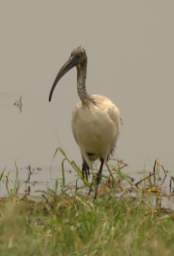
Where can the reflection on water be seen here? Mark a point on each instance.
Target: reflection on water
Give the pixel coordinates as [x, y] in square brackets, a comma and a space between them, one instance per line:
[31, 180]
[157, 185]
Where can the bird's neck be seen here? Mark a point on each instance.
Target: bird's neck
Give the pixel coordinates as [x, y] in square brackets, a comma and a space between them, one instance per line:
[81, 83]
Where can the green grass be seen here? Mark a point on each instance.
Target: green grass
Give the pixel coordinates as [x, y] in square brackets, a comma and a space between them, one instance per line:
[122, 221]
[77, 225]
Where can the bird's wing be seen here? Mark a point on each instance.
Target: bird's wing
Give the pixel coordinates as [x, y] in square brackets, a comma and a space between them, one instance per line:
[114, 114]
[109, 107]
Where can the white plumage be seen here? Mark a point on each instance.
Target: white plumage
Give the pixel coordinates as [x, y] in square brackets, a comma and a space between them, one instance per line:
[96, 127]
[95, 120]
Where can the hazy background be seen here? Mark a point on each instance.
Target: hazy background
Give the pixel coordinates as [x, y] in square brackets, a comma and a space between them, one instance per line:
[130, 47]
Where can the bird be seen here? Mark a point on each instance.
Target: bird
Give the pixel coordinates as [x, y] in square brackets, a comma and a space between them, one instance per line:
[95, 119]
[19, 104]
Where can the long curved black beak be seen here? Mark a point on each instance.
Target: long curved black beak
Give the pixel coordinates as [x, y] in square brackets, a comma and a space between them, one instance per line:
[72, 62]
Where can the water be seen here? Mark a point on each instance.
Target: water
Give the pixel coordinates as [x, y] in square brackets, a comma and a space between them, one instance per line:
[127, 61]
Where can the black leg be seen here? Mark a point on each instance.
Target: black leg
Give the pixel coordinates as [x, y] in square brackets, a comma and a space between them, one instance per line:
[98, 178]
[85, 169]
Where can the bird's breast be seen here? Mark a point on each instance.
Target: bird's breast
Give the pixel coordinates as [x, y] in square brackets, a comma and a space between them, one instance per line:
[94, 130]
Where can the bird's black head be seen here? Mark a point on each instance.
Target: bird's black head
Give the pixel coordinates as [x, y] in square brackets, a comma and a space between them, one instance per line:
[78, 58]
[79, 54]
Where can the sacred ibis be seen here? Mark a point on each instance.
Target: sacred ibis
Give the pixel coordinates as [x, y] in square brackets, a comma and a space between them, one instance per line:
[95, 120]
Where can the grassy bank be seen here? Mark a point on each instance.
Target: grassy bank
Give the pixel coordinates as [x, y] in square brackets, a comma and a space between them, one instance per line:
[76, 225]
[127, 219]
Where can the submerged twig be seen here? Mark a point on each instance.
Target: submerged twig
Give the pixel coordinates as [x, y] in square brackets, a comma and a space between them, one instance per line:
[28, 180]
[170, 184]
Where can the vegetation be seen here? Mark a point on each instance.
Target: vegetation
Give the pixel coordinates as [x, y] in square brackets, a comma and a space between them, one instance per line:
[127, 218]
